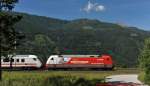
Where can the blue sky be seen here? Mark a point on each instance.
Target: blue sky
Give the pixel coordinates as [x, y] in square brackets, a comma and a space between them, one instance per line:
[127, 12]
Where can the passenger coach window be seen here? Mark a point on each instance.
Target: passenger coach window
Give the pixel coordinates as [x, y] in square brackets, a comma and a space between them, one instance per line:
[17, 60]
[6, 60]
[22, 60]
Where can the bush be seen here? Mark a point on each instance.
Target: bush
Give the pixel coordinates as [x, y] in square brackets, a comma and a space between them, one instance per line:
[145, 61]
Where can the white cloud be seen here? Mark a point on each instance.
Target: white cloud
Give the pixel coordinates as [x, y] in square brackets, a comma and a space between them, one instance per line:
[100, 8]
[93, 7]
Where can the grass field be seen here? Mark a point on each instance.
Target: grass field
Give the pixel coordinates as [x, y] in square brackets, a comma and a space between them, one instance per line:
[143, 78]
[59, 78]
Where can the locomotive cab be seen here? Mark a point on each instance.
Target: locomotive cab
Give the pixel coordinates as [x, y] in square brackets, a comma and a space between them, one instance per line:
[108, 61]
[55, 59]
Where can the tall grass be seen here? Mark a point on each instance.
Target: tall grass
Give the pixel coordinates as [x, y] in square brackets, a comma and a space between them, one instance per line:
[48, 79]
[57, 78]
[142, 78]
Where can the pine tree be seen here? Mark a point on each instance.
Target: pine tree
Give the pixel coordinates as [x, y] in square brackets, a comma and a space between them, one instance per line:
[8, 34]
[7, 5]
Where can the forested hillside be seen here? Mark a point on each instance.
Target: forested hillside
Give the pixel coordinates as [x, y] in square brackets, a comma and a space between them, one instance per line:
[45, 36]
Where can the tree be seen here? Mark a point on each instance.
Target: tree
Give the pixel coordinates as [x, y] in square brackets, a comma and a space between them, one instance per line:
[44, 46]
[7, 5]
[144, 59]
[8, 34]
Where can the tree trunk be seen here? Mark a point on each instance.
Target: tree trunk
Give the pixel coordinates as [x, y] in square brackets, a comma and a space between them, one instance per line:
[0, 56]
[0, 65]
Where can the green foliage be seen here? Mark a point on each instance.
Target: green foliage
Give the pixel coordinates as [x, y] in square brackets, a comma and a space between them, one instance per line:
[58, 78]
[8, 33]
[45, 44]
[42, 40]
[145, 55]
[7, 4]
[51, 81]
[144, 60]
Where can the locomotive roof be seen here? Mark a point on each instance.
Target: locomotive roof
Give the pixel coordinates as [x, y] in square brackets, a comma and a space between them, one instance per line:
[67, 56]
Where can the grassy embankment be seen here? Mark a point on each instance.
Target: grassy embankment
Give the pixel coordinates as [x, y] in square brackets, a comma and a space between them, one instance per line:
[58, 78]
[142, 78]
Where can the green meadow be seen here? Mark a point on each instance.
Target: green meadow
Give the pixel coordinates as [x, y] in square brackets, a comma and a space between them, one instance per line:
[59, 78]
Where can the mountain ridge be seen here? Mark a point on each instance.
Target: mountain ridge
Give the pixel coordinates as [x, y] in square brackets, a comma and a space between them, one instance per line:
[80, 36]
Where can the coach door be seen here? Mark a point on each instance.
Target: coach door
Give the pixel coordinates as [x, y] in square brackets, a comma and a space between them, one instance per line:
[6, 63]
[12, 62]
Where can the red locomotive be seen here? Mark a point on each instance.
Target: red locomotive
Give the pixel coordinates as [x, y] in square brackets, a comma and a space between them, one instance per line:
[79, 61]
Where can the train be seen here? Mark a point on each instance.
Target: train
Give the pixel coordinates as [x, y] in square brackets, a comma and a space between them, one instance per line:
[21, 62]
[59, 62]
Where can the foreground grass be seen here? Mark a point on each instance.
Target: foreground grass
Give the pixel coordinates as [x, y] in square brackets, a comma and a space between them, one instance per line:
[143, 79]
[141, 76]
[58, 78]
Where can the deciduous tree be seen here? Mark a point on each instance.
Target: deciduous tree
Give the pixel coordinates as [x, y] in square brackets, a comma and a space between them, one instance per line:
[8, 35]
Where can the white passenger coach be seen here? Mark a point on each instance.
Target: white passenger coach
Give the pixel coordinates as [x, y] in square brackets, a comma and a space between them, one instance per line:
[21, 61]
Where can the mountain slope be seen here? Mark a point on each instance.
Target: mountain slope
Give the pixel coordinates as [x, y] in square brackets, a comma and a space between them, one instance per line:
[45, 36]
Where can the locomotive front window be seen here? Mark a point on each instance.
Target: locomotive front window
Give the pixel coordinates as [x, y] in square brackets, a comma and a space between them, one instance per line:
[34, 59]
[52, 58]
